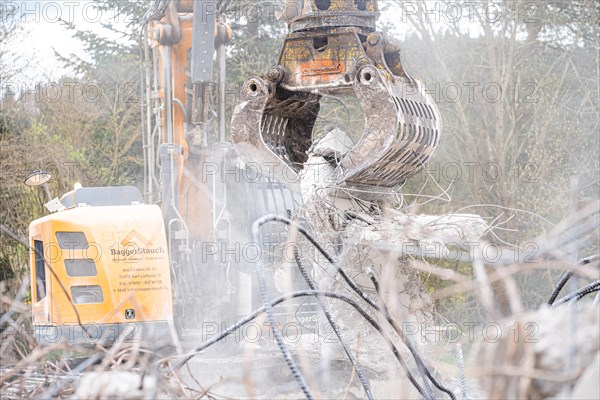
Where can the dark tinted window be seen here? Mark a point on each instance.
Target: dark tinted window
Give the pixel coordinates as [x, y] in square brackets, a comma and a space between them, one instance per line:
[72, 240]
[40, 270]
[80, 267]
[86, 294]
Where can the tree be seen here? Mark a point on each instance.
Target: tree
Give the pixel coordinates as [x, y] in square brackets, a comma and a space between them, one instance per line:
[518, 95]
[10, 32]
[517, 85]
[111, 82]
[12, 257]
[82, 128]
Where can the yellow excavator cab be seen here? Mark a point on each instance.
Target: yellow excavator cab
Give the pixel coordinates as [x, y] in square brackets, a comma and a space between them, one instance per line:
[100, 269]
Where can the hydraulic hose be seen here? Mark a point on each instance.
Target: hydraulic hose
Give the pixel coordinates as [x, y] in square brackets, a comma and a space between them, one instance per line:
[420, 364]
[260, 273]
[578, 295]
[354, 286]
[565, 278]
[334, 326]
[305, 293]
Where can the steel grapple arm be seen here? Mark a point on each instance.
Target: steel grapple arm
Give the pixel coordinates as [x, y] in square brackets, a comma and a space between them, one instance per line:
[333, 49]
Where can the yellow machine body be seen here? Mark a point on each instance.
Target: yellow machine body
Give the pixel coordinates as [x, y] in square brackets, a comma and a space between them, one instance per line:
[101, 267]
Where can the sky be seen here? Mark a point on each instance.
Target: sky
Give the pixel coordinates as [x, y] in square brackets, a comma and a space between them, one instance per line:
[43, 32]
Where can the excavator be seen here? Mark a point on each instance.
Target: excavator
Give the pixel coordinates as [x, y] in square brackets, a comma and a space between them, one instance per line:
[167, 259]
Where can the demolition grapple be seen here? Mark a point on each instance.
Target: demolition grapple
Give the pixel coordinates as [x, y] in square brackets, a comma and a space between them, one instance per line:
[333, 49]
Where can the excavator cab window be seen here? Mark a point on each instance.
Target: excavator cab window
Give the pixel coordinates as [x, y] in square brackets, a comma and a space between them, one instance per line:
[72, 240]
[80, 267]
[40, 270]
[88, 294]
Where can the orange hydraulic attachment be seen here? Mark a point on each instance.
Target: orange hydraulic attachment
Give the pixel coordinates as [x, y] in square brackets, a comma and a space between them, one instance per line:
[333, 49]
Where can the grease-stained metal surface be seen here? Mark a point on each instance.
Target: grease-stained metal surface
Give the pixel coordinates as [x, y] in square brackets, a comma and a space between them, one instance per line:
[334, 50]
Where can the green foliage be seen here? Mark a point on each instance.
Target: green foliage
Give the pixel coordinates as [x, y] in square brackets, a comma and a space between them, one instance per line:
[118, 42]
[113, 140]
[459, 307]
[256, 42]
[83, 128]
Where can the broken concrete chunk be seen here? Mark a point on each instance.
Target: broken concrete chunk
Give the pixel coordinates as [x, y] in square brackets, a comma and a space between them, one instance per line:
[115, 385]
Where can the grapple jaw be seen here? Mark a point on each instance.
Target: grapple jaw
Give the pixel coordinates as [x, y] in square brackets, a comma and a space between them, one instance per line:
[402, 132]
[273, 124]
[272, 133]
